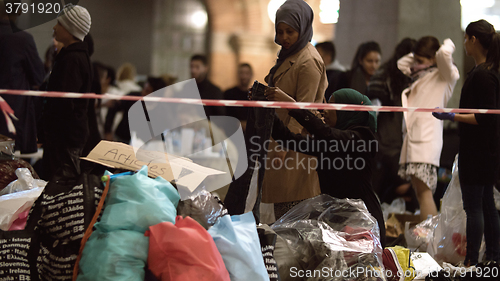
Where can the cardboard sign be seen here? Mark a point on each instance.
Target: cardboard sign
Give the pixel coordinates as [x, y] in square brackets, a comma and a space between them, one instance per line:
[179, 170]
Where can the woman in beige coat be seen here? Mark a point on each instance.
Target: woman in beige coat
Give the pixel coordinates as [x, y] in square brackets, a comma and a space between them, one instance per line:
[299, 72]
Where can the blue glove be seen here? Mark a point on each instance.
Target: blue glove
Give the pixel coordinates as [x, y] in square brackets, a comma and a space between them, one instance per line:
[444, 115]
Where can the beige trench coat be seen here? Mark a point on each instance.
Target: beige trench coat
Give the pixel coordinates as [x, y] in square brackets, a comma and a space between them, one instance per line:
[303, 77]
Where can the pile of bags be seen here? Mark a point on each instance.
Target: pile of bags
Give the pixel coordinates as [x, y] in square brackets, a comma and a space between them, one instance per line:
[146, 233]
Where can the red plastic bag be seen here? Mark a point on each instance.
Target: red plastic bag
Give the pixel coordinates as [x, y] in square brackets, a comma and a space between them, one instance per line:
[184, 251]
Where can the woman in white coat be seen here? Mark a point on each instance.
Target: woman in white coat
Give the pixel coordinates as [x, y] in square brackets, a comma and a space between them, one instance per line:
[434, 76]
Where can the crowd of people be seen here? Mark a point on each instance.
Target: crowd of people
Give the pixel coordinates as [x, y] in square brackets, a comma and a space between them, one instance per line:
[420, 73]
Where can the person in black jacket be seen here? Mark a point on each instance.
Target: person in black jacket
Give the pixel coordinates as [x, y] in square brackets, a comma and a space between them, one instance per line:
[345, 146]
[199, 71]
[21, 69]
[65, 121]
[479, 149]
[240, 92]
[387, 85]
[328, 53]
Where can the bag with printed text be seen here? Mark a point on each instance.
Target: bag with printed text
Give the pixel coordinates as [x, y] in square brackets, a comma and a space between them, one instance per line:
[66, 210]
[48, 246]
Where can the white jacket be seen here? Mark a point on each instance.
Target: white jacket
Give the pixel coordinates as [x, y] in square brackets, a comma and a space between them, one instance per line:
[423, 134]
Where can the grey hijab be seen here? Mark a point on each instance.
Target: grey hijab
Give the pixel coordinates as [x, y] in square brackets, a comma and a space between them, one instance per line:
[299, 15]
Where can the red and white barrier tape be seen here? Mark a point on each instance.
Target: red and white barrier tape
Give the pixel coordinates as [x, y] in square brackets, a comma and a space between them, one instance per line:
[243, 103]
[8, 113]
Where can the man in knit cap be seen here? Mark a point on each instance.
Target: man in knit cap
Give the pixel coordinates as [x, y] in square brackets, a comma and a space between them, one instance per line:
[65, 125]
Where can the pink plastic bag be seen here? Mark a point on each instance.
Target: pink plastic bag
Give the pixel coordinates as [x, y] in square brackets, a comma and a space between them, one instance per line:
[184, 251]
[20, 222]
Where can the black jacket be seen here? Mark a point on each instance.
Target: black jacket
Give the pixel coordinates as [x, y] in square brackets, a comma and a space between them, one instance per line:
[389, 124]
[334, 82]
[240, 113]
[122, 130]
[65, 121]
[209, 91]
[344, 164]
[479, 149]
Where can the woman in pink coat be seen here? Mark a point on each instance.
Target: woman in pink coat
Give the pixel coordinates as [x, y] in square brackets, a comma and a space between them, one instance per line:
[434, 76]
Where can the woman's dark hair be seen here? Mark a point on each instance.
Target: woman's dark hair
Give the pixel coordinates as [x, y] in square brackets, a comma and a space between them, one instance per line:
[201, 58]
[111, 75]
[156, 83]
[489, 39]
[363, 50]
[246, 65]
[398, 81]
[426, 47]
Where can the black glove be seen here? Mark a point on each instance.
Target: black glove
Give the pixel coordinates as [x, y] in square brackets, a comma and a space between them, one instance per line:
[312, 123]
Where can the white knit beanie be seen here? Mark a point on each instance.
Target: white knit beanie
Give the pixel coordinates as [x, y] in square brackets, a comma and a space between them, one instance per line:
[76, 20]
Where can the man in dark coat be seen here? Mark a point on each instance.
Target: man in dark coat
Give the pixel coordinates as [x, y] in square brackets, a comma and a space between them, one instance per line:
[333, 73]
[199, 71]
[21, 69]
[65, 121]
[240, 92]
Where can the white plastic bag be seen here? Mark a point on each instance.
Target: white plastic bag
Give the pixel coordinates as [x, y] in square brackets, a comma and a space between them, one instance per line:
[25, 181]
[18, 197]
[11, 205]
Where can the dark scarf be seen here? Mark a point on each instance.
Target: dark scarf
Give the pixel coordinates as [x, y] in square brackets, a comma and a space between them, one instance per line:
[299, 15]
[420, 70]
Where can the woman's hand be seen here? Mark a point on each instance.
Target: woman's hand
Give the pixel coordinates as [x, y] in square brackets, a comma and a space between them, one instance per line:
[276, 94]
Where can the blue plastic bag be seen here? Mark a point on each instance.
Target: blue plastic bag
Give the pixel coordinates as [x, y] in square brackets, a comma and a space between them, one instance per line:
[238, 242]
[137, 202]
[116, 255]
[118, 249]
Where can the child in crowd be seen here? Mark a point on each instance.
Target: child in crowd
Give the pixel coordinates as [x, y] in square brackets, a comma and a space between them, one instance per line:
[65, 124]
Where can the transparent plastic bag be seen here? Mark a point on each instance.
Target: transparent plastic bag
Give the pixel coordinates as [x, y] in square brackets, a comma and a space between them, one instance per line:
[329, 239]
[496, 194]
[205, 208]
[419, 237]
[449, 243]
[25, 181]
[398, 206]
[6, 148]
